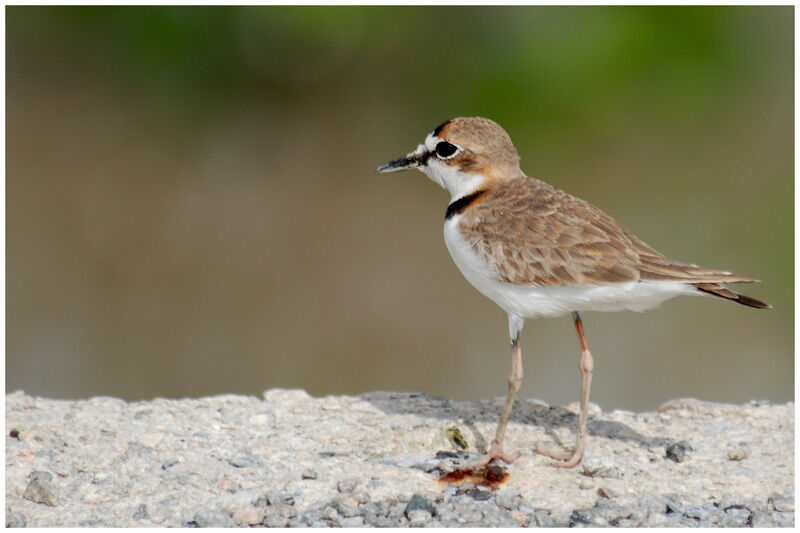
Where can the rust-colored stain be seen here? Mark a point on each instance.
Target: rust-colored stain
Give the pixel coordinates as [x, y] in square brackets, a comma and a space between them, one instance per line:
[490, 476]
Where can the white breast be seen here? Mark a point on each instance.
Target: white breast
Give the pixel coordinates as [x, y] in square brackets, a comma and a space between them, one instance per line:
[532, 302]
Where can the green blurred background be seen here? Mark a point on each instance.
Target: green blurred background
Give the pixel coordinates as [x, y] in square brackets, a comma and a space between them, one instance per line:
[192, 206]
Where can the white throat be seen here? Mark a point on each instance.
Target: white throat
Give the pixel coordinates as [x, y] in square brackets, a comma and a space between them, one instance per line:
[456, 182]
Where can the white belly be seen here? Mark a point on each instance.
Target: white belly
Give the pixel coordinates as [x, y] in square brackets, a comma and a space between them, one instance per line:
[532, 302]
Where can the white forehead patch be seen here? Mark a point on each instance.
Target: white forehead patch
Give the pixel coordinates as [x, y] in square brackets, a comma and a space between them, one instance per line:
[431, 141]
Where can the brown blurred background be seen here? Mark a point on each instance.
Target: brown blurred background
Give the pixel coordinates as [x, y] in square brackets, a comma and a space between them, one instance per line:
[192, 206]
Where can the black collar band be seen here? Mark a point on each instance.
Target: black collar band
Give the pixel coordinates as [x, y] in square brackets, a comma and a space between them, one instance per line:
[462, 203]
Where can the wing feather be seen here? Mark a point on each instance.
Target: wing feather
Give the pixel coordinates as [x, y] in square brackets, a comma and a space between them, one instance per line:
[533, 234]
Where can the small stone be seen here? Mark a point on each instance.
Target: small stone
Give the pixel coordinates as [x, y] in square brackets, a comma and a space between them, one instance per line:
[519, 517]
[212, 519]
[283, 510]
[40, 489]
[371, 519]
[785, 519]
[258, 420]
[585, 484]
[347, 485]
[716, 516]
[585, 517]
[309, 473]
[447, 454]
[781, 503]
[141, 513]
[658, 520]
[15, 519]
[509, 498]
[172, 461]
[479, 494]
[738, 454]
[380, 508]
[696, 512]
[543, 518]
[674, 507]
[346, 507]
[418, 517]
[331, 404]
[278, 498]
[593, 410]
[355, 521]
[276, 520]
[602, 466]
[527, 509]
[730, 500]
[247, 516]
[285, 396]
[735, 517]
[244, 460]
[383, 521]
[419, 503]
[754, 504]
[677, 452]
[607, 492]
[763, 519]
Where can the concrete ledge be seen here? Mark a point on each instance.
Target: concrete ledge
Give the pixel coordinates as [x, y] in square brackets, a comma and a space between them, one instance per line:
[290, 459]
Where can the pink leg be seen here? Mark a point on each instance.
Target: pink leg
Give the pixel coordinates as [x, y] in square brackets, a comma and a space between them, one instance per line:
[514, 382]
[586, 366]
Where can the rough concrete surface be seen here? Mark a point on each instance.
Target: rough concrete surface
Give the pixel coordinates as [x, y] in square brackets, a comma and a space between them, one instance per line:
[288, 459]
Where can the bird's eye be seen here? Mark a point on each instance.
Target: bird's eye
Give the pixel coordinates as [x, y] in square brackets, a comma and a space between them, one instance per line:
[446, 150]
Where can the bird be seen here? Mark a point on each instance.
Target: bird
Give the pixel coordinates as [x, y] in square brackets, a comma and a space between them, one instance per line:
[538, 251]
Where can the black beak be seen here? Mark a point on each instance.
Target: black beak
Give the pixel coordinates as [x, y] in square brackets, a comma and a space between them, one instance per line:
[402, 163]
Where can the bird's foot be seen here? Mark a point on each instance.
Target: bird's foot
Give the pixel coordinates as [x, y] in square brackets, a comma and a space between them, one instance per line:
[495, 452]
[566, 458]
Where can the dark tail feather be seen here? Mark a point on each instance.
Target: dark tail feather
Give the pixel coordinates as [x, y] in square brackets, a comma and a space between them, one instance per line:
[723, 292]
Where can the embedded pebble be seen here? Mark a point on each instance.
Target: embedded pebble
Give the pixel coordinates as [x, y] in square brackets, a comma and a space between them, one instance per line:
[172, 461]
[519, 517]
[141, 513]
[677, 452]
[607, 492]
[509, 498]
[782, 503]
[735, 517]
[419, 503]
[355, 521]
[418, 517]
[738, 454]
[762, 519]
[290, 460]
[15, 519]
[40, 489]
[244, 460]
[601, 466]
[346, 507]
[212, 519]
[248, 516]
[347, 485]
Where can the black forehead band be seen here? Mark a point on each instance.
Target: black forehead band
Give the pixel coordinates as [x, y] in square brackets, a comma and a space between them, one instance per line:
[440, 127]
